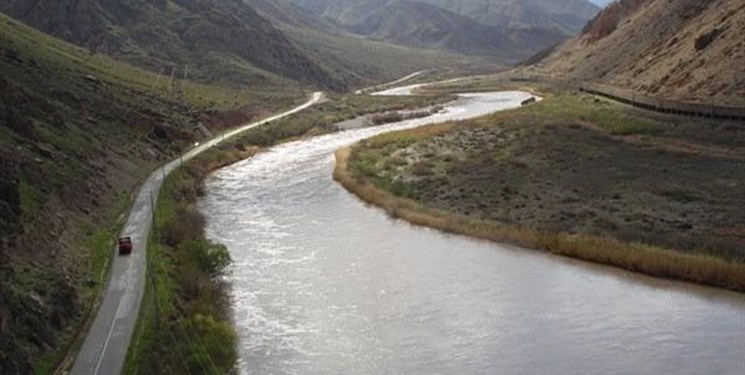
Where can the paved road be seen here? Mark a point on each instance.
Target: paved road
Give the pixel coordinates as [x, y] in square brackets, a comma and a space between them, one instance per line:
[105, 347]
[392, 83]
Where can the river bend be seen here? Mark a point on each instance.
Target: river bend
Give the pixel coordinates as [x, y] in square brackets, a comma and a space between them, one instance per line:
[324, 284]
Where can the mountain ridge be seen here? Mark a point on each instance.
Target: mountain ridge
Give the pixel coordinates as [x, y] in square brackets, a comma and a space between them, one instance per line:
[459, 30]
[221, 40]
[679, 50]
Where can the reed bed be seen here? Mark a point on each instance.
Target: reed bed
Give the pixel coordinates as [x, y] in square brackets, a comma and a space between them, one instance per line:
[636, 257]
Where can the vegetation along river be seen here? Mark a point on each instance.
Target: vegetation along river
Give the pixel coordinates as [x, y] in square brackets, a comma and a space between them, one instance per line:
[323, 284]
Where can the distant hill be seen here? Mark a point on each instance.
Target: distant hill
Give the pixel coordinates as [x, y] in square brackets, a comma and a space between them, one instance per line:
[363, 61]
[564, 17]
[677, 49]
[218, 40]
[510, 28]
[416, 24]
[287, 13]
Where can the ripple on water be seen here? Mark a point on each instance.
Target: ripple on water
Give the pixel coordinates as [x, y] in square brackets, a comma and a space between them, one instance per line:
[322, 284]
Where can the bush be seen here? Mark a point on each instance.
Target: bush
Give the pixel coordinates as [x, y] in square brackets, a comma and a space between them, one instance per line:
[18, 122]
[705, 40]
[218, 339]
[386, 118]
[187, 224]
[207, 344]
[210, 258]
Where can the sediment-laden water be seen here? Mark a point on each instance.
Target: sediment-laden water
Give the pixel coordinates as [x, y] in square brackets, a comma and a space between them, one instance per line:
[323, 284]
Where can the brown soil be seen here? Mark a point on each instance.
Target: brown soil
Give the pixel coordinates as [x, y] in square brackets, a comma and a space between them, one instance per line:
[688, 50]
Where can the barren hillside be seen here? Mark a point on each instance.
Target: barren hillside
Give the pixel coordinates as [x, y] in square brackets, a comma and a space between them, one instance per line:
[688, 50]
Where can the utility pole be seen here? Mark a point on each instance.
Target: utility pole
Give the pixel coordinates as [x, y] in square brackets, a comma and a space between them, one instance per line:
[160, 72]
[170, 81]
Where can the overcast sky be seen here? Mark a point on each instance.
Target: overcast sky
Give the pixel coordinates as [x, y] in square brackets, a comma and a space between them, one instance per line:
[601, 3]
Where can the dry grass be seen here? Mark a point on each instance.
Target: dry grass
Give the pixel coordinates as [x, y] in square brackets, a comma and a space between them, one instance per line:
[635, 257]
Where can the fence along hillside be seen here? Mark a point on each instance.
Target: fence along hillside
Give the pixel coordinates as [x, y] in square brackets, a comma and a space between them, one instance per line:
[710, 110]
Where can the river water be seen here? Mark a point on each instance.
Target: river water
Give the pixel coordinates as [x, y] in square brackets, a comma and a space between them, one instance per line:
[324, 284]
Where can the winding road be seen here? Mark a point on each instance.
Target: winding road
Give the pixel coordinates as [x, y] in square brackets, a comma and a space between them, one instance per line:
[105, 347]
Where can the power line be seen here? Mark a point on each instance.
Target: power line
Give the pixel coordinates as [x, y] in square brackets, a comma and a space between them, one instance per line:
[204, 347]
[186, 335]
[154, 284]
[173, 338]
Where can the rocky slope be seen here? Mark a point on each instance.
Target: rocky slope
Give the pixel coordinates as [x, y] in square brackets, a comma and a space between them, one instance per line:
[218, 40]
[676, 49]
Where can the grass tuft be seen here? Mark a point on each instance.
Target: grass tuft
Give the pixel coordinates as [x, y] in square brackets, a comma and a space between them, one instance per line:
[650, 260]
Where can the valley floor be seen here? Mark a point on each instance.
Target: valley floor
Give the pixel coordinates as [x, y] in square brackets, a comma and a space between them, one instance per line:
[577, 175]
[183, 261]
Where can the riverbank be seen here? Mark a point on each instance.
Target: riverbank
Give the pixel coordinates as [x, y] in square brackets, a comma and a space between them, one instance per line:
[574, 175]
[186, 303]
[184, 322]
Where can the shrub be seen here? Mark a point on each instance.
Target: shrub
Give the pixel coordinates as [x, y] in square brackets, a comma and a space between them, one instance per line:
[19, 123]
[187, 224]
[210, 258]
[213, 350]
[705, 40]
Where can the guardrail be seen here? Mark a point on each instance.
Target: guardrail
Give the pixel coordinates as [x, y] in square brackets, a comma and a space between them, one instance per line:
[643, 101]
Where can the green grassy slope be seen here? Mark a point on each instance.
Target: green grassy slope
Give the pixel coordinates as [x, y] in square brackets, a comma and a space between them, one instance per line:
[216, 40]
[78, 131]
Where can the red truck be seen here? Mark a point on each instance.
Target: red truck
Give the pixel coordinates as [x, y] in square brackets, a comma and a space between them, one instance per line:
[125, 245]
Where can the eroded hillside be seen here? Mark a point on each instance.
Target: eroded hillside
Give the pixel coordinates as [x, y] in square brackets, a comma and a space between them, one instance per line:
[681, 49]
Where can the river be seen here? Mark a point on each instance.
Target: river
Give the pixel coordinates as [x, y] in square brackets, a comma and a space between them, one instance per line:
[324, 284]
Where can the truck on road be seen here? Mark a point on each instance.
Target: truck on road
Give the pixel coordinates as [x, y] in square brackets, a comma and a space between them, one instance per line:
[125, 245]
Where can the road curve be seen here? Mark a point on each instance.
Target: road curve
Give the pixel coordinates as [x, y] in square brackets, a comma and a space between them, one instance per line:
[105, 347]
[392, 83]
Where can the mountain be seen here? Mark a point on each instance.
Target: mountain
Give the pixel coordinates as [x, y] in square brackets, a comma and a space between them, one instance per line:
[510, 28]
[676, 49]
[363, 61]
[564, 17]
[411, 23]
[216, 40]
[287, 13]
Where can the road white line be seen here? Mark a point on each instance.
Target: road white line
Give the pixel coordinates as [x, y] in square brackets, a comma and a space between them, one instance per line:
[108, 339]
